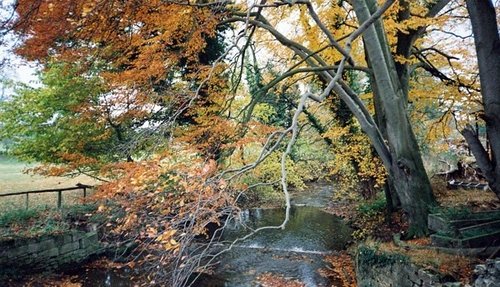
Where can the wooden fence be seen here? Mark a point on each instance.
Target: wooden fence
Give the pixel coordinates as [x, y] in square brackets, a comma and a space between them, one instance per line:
[59, 191]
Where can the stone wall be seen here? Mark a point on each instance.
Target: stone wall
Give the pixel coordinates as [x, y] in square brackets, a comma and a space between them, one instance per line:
[47, 252]
[379, 269]
[488, 274]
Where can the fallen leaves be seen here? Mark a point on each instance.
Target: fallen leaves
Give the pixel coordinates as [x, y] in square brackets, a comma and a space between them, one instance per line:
[274, 280]
[341, 270]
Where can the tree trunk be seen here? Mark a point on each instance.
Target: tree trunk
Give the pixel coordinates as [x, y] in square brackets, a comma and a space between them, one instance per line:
[487, 42]
[406, 169]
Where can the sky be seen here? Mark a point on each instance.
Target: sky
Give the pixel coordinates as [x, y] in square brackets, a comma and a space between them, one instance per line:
[13, 67]
[16, 69]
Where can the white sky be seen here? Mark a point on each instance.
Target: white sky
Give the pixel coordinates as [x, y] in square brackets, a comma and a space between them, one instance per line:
[13, 67]
[18, 69]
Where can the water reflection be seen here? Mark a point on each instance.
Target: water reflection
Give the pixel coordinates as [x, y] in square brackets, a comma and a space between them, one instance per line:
[309, 228]
[294, 253]
[96, 277]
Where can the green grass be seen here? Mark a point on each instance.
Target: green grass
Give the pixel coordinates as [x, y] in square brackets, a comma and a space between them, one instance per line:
[14, 179]
[45, 220]
[11, 169]
[373, 207]
[19, 216]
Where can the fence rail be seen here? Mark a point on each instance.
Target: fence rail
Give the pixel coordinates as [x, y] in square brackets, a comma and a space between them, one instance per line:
[59, 191]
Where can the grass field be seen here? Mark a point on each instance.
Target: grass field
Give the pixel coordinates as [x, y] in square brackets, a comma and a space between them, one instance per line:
[13, 179]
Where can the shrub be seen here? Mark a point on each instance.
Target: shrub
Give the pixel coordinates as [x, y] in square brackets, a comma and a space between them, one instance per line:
[452, 212]
[373, 207]
[369, 257]
[18, 216]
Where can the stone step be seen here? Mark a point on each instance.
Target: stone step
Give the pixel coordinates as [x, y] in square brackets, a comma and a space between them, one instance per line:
[467, 185]
[479, 228]
[482, 240]
[440, 223]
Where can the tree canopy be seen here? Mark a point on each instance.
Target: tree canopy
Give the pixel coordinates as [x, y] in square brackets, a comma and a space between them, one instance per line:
[257, 96]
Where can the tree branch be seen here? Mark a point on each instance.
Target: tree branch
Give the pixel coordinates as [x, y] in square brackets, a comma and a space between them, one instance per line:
[479, 152]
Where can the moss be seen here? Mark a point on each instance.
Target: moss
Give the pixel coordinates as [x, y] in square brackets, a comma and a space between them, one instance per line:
[452, 212]
[36, 222]
[18, 216]
[83, 212]
[372, 207]
[370, 257]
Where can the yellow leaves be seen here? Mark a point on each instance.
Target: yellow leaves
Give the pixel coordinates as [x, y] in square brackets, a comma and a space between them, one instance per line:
[166, 236]
[101, 208]
[167, 240]
[172, 245]
[354, 162]
[130, 221]
[87, 8]
[335, 133]
[263, 112]
[403, 60]
[270, 169]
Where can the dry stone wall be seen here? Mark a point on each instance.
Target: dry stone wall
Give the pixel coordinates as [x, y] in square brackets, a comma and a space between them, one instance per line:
[378, 269]
[488, 274]
[47, 252]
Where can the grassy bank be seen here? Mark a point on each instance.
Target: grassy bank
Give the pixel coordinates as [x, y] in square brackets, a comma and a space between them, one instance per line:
[14, 179]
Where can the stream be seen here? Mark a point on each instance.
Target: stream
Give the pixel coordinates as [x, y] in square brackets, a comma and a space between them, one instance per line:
[293, 253]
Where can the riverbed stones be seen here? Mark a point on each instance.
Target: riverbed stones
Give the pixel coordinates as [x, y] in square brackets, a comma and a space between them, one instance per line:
[488, 274]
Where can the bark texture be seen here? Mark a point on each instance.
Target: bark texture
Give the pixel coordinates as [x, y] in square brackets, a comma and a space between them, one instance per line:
[484, 27]
[406, 169]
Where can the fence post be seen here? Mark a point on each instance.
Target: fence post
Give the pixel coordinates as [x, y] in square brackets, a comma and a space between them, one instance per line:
[59, 199]
[27, 200]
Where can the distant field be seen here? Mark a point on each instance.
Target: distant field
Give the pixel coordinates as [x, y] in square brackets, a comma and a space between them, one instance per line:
[13, 179]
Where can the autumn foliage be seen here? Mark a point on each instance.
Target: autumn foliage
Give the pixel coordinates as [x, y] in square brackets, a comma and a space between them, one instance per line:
[180, 107]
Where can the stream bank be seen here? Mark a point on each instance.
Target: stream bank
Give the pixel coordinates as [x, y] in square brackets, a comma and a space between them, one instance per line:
[295, 253]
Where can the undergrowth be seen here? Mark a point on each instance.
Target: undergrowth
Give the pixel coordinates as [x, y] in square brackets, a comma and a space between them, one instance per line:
[452, 212]
[372, 221]
[372, 256]
[39, 221]
[455, 266]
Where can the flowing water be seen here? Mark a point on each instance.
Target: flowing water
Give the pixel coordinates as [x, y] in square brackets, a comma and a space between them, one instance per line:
[293, 253]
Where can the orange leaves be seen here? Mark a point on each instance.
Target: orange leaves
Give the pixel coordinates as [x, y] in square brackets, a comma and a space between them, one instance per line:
[209, 168]
[130, 221]
[166, 238]
[78, 159]
[45, 21]
[342, 270]
[162, 194]
[72, 162]
[210, 135]
[274, 280]
[141, 40]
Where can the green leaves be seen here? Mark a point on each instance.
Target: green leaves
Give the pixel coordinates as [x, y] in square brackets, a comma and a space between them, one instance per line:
[57, 119]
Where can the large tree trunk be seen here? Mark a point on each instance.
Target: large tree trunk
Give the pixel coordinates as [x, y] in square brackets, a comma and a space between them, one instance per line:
[398, 149]
[484, 27]
[406, 169]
